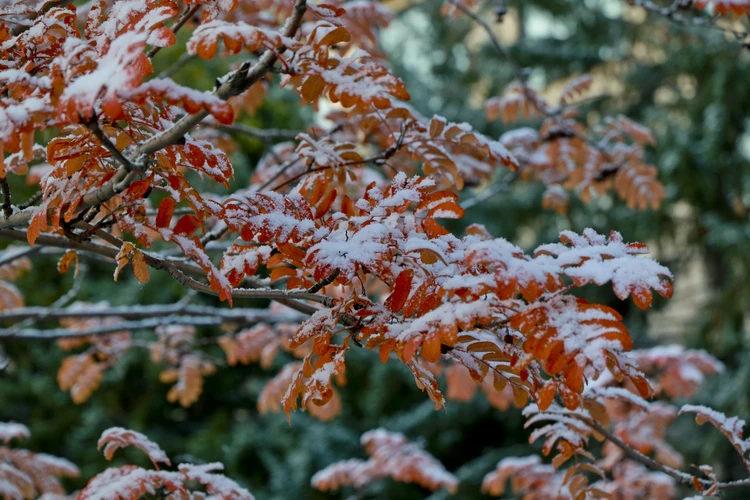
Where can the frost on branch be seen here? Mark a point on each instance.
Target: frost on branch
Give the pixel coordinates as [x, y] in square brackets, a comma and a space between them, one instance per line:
[391, 456]
[27, 475]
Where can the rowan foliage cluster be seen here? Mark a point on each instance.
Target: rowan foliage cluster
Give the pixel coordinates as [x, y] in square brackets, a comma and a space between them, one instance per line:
[346, 229]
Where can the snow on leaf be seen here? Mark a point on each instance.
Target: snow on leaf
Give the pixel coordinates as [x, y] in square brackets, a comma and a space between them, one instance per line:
[130, 483]
[118, 437]
[11, 430]
[592, 257]
[731, 427]
[679, 372]
[216, 484]
[391, 456]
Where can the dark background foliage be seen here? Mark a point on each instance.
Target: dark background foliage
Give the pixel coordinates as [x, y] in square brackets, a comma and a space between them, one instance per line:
[688, 85]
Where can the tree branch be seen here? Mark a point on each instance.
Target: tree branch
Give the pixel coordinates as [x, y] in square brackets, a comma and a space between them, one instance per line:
[679, 476]
[233, 84]
[65, 333]
[153, 311]
[7, 206]
[517, 70]
[32, 200]
[175, 268]
[672, 14]
[262, 134]
[93, 126]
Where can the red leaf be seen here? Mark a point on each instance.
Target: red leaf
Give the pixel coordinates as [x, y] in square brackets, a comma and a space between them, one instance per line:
[164, 215]
[138, 189]
[395, 301]
[187, 225]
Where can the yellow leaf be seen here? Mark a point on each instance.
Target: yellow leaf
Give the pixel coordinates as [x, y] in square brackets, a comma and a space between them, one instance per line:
[66, 260]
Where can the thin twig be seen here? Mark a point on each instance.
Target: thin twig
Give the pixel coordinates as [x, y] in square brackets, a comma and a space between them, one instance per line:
[378, 159]
[262, 134]
[177, 65]
[517, 69]
[7, 206]
[491, 191]
[214, 234]
[32, 200]
[93, 126]
[186, 16]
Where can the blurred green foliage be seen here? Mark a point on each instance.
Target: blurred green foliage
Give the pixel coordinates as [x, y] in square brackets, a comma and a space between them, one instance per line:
[690, 88]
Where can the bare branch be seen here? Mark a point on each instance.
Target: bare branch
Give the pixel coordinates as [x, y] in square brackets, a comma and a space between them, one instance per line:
[517, 70]
[62, 333]
[496, 188]
[174, 267]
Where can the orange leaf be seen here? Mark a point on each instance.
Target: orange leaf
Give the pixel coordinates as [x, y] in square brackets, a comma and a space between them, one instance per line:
[431, 348]
[432, 229]
[281, 272]
[642, 297]
[546, 394]
[38, 224]
[326, 204]
[448, 210]
[139, 267]
[317, 192]
[410, 348]
[337, 35]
